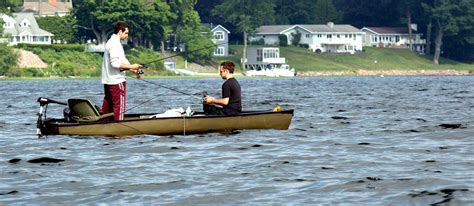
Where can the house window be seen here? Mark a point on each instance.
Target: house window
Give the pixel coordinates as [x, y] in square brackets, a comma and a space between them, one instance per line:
[338, 36]
[329, 36]
[218, 35]
[320, 35]
[219, 51]
[308, 36]
[270, 53]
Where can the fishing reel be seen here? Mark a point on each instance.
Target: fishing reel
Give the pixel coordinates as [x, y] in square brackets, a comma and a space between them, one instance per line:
[140, 71]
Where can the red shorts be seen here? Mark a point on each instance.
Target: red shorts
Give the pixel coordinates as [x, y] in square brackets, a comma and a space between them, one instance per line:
[114, 100]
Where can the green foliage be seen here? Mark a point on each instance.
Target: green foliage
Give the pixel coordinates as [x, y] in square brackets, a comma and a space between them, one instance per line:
[296, 38]
[260, 42]
[326, 12]
[8, 6]
[55, 47]
[199, 47]
[283, 40]
[147, 19]
[64, 28]
[142, 56]
[1, 27]
[186, 24]
[8, 59]
[66, 61]
[246, 15]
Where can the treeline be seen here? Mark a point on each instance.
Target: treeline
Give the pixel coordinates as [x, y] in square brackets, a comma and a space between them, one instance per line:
[154, 24]
[446, 24]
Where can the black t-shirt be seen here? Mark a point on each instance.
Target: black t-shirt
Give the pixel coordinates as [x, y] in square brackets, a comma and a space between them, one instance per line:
[231, 90]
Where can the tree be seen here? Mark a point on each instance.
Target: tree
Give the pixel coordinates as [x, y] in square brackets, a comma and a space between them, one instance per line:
[204, 8]
[326, 12]
[294, 12]
[186, 27]
[246, 15]
[460, 45]
[64, 28]
[7, 6]
[145, 18]
[1, 27]
[88, 23]
[369, 13]
[446, 22]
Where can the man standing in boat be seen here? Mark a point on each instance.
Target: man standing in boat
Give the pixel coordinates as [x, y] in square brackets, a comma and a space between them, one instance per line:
[114, 66]
[231, 100]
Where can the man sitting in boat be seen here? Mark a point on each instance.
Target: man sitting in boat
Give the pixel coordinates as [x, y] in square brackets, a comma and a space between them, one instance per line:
[231, 100]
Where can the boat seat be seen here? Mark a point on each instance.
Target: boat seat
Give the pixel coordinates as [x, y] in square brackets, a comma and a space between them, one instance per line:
[82, 110]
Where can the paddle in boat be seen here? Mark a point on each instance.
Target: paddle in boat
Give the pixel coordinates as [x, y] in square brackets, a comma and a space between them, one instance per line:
[81, 117]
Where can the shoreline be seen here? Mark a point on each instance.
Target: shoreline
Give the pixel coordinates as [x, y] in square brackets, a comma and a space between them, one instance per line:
[362, 72]
[301, 74]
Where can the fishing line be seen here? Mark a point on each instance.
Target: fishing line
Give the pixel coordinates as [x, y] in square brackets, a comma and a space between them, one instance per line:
[166, 87]
[179, 54]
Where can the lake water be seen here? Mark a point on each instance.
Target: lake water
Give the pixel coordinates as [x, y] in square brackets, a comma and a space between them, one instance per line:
[353, 140]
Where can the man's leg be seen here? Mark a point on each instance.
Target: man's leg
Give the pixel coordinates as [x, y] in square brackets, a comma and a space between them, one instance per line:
[106, 104]
[118, 100]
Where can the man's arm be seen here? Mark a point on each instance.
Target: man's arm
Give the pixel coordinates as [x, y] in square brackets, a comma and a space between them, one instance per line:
[131, 67]
[212, 100]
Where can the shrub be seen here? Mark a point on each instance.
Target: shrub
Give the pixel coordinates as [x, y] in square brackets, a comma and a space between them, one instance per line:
[283, 40]
[8, 58]
[55, 47]
[296, 38]
[258, 42]
[304, 45]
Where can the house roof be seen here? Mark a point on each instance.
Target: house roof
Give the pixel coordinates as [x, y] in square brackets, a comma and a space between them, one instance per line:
[220, 27]
[313, 28]
[33, 28]
[387, 30]
[47, 7]
[213, 28]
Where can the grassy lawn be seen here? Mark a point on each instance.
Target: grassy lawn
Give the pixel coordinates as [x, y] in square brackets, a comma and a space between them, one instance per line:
[372, 59]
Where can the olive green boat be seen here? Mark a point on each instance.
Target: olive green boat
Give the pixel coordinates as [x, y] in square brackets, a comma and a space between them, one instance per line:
[83, 119]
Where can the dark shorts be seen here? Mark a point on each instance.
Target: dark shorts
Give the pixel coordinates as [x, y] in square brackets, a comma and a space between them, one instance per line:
[218, 111]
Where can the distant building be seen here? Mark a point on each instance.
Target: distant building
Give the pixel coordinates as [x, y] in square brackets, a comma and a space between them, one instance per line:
[47, 7]
[260, 57]
[220, 38]
[22, 28]
[393, 37]
[318, 38]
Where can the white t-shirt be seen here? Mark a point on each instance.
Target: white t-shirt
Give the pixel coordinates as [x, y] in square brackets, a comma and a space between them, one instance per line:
[114, 56]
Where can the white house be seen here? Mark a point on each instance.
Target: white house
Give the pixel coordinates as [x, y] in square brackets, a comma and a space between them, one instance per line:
[318, 37]
[221, 39]
[393, 37]
[22, 28]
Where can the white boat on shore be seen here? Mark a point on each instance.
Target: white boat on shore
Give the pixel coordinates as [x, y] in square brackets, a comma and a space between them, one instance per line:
[271, 70]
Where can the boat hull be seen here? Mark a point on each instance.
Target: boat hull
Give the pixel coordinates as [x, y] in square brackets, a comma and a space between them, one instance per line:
[140, 124]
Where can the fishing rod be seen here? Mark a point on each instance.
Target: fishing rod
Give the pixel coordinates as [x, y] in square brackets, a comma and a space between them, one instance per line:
[140, 71]
[178, 54]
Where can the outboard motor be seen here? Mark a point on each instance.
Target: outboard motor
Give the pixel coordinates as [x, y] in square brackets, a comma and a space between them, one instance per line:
[43, 101]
